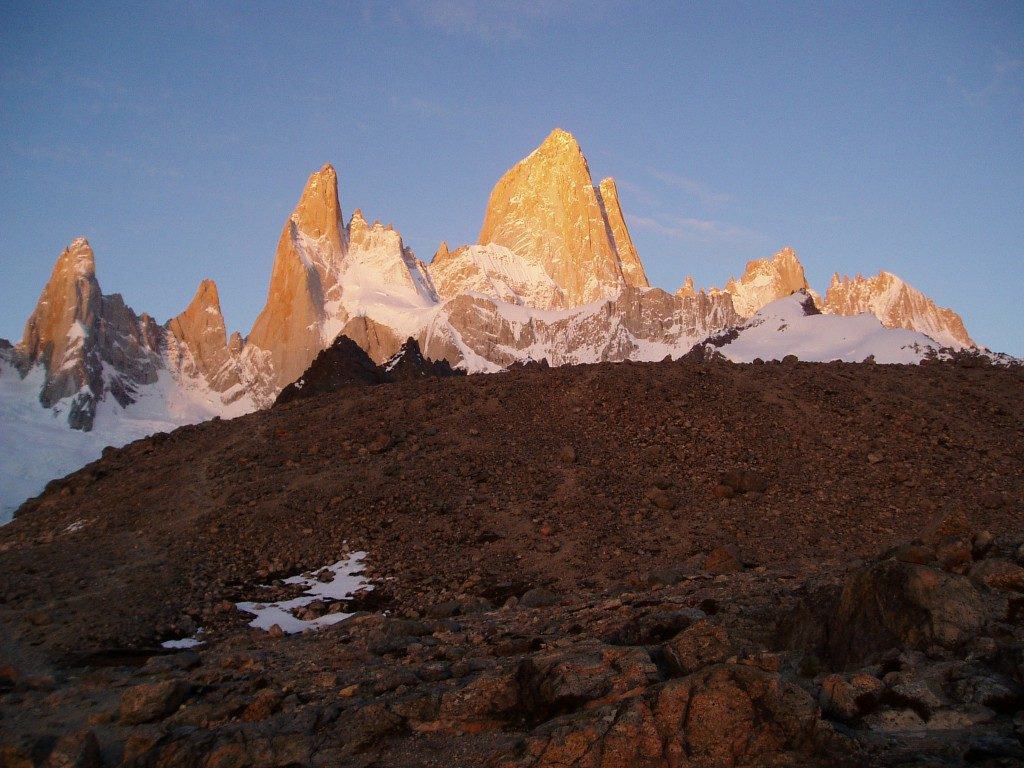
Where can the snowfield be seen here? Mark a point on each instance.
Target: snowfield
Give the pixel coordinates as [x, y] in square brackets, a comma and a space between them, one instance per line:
[36, 444]
[783, 328]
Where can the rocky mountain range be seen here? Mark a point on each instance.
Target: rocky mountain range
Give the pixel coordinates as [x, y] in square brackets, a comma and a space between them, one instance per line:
[554, 275]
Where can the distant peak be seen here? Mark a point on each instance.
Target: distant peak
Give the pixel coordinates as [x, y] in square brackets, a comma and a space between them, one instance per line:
[442, 253]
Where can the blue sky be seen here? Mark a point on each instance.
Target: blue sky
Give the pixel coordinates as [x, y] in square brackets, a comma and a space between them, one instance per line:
[178, 139]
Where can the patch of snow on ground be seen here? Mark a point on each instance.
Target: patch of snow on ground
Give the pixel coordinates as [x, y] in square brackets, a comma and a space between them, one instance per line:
[347, 581]
[184, 642]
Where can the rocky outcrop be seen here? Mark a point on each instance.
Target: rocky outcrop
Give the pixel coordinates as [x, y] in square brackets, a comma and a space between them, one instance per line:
[894, 604]
[378, 340]
[547, 211]
[409, 363]
[897, 305]
[341, 366]
[765, 280]
[637, 324]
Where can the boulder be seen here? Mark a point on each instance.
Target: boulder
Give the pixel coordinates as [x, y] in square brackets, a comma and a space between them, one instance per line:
[697, 646]
[152, 701]
[891, 604]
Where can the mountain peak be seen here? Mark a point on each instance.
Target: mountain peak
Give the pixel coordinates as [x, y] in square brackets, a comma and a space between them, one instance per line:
[560, 140]
[547, 211]
[77, 260]
[318, 213]
[200, 328]
[206, 297]
[69, 301]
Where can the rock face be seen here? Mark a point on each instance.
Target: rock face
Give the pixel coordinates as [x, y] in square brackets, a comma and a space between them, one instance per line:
[203, 342]
[547, 211]
[494, 271]
[892, 604]
[897, 305]
[287, 333]
[636, 324]
[324, 275]
[629, 259]
[765, 280]
[88, 344]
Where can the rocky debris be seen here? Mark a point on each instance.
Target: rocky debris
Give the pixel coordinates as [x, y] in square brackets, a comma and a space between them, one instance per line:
[341, 366]
[744, 481]
[75, 750]
[722, 560]
[528, 608]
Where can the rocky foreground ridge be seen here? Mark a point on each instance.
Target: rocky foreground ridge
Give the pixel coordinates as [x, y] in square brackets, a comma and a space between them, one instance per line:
[662, 564]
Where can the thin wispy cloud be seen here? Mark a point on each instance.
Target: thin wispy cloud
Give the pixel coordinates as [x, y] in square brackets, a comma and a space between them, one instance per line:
[641, 194]
[697, 189]
[1005, 76]
[697, 230]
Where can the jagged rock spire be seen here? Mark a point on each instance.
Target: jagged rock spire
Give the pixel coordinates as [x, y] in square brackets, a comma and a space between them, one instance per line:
[629, 259]
[765, 280]
[200, 328]
[286, 334]
[58, 333]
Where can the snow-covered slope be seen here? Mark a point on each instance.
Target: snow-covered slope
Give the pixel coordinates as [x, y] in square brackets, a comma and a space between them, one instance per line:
[495, 271]
[36, 444]
[794, 326]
